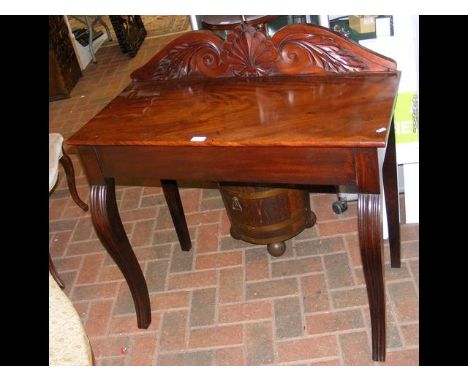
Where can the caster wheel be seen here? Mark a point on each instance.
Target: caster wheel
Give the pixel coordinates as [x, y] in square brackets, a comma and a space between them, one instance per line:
[339, 207]
[276, 249]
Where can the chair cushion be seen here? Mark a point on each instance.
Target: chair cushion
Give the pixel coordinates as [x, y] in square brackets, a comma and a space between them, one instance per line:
[68, 342]
[55, 153]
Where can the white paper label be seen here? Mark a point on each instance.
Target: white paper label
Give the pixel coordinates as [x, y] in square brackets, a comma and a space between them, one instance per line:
[198, 139]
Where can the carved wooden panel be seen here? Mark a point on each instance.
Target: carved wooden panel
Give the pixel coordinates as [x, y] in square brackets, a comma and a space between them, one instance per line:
[247, 52]
[64, 69]
[130, 33]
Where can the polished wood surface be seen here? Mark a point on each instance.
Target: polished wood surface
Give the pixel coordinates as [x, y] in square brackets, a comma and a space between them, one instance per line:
[371, 245]
[309, 111]
[349, 109]
[286, 126]
[261, 164]
[111, 232]
[70, 174]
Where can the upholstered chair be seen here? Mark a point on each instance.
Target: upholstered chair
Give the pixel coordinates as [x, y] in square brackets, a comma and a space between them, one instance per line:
[68, 343]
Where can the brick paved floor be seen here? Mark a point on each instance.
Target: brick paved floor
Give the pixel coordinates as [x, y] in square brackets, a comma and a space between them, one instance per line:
[225, 302]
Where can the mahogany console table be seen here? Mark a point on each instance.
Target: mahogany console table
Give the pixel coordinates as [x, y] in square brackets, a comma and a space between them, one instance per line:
[307, 106]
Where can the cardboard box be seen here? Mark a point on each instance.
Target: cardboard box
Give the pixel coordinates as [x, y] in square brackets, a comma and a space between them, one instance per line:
[362, 24]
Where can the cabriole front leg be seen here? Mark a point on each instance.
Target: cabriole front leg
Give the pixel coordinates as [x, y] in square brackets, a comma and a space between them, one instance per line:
[110, 230]
[371, 244]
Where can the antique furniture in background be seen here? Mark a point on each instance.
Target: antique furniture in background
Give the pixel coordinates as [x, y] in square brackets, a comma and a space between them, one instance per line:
[269, 24]
[305, 107]
[130, 33]
[64, 69]
[89, 34]
[230, 22]
[56, 155]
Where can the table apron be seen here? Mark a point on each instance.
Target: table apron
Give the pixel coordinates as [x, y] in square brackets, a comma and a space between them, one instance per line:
[260, 164]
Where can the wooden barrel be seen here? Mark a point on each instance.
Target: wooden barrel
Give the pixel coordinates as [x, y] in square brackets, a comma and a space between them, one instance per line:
[267, 215]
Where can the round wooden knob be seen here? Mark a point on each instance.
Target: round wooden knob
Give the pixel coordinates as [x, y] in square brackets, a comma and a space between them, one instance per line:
[276, 249]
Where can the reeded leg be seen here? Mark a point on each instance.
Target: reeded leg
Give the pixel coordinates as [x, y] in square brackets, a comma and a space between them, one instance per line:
[171, 193]
[70, 173]
[55, 274]
[110, 230]
[371, 244]
[390, 183]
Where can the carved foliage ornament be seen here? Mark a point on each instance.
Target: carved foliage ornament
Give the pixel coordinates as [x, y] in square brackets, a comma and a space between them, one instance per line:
[247, 52]
[320, 53]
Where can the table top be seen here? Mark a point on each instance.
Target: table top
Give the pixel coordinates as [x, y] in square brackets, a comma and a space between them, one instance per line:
[352, 110]
[306, 86]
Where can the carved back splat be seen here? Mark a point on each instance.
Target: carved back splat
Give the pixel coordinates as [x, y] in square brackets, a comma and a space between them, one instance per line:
[294, 50]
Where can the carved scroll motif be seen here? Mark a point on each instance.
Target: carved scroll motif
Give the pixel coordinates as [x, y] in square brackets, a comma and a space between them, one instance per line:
[185, 59]
[193, 54]
[247, 52]
[317, 53]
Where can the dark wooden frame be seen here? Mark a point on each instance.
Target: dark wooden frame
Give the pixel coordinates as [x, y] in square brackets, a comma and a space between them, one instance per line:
[130, 32]
[64, 69]
[294, 50]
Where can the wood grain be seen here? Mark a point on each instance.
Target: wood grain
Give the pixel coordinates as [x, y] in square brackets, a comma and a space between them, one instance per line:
[305, 111]
[259, 164]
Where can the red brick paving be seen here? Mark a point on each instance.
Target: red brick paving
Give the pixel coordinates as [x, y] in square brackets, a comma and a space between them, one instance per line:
[308, 307]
